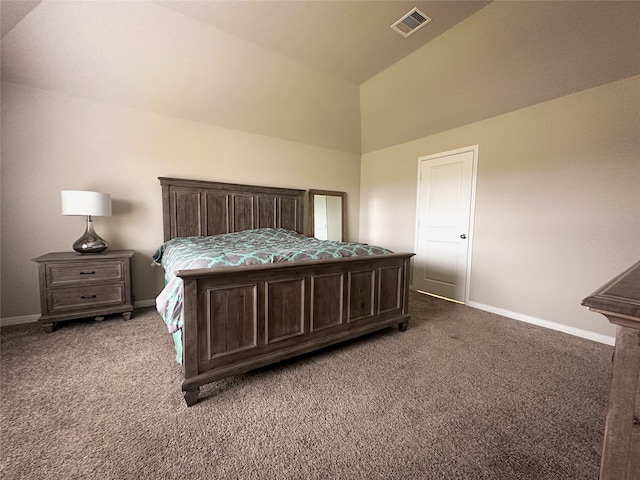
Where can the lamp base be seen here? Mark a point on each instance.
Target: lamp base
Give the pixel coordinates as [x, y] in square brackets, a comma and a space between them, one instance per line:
[90, 242]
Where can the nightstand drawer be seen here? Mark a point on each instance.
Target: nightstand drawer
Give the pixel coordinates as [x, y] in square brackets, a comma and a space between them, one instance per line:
[58, 274]
[60, 299]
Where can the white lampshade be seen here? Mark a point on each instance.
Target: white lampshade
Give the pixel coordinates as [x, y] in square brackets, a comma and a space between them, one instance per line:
[80, 202]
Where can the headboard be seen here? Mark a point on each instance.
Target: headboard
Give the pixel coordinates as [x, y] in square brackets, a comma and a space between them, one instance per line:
[197, 207]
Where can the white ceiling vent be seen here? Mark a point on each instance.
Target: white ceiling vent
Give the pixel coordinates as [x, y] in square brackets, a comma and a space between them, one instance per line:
[409, 23]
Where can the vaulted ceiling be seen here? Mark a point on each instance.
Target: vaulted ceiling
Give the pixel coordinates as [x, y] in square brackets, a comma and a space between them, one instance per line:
[349, 39]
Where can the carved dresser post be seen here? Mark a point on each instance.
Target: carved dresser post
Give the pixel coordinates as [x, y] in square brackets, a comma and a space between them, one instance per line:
[619, 301]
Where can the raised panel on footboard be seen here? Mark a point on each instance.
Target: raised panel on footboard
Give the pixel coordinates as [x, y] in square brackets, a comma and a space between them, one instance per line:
[284, 309]
[390, 293]
[361, 294]
[232, 323]
[327, 293]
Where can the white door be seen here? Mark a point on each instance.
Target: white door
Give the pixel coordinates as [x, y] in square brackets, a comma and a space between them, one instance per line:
[445, 213]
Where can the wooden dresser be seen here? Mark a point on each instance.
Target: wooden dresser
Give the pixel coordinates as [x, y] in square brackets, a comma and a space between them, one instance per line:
[75, 285]
[619, 301]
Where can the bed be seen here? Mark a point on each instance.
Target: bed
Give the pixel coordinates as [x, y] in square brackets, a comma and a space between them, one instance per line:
[238, 318]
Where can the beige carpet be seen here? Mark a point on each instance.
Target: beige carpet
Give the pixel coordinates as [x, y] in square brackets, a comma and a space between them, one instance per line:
[462, 394]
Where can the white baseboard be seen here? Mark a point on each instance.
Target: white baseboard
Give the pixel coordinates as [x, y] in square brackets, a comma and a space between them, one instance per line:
[578, 332]
[6, 322]
[145, 303]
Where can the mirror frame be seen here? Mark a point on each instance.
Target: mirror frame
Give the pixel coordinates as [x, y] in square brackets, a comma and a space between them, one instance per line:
[330, 193]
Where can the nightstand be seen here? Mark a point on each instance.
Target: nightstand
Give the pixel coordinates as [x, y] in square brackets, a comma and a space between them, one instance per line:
[76, 285]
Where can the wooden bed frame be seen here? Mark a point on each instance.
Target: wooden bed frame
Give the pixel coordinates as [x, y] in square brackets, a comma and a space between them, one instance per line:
[242, 318]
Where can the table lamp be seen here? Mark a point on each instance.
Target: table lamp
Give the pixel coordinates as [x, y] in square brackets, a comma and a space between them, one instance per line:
[79, 202]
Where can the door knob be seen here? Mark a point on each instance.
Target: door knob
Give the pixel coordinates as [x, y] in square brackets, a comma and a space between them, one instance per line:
[463, 236]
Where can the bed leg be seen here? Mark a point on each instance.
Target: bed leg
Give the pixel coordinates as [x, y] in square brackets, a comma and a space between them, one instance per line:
[191, 396]
[402, 326]
[49, 327]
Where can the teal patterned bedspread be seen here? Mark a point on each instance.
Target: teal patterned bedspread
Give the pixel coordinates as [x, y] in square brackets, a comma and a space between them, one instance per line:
[250, 247]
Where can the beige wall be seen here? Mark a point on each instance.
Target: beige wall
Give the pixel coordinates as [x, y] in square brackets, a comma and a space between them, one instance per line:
[52, 142]
[558, 201]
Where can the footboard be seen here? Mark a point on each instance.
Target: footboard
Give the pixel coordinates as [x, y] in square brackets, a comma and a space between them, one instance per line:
[239, 319]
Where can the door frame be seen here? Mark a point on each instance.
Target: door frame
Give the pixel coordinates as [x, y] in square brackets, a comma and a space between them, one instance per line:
[472, 207]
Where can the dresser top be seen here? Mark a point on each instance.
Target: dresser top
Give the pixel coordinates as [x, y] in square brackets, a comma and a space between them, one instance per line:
[67, 256]
[621, 295]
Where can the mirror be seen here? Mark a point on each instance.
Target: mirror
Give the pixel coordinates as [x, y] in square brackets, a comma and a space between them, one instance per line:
[327, 214]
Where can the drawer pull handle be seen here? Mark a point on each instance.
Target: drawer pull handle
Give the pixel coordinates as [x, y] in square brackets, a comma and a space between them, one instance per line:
[88, 296]
[87, 273]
